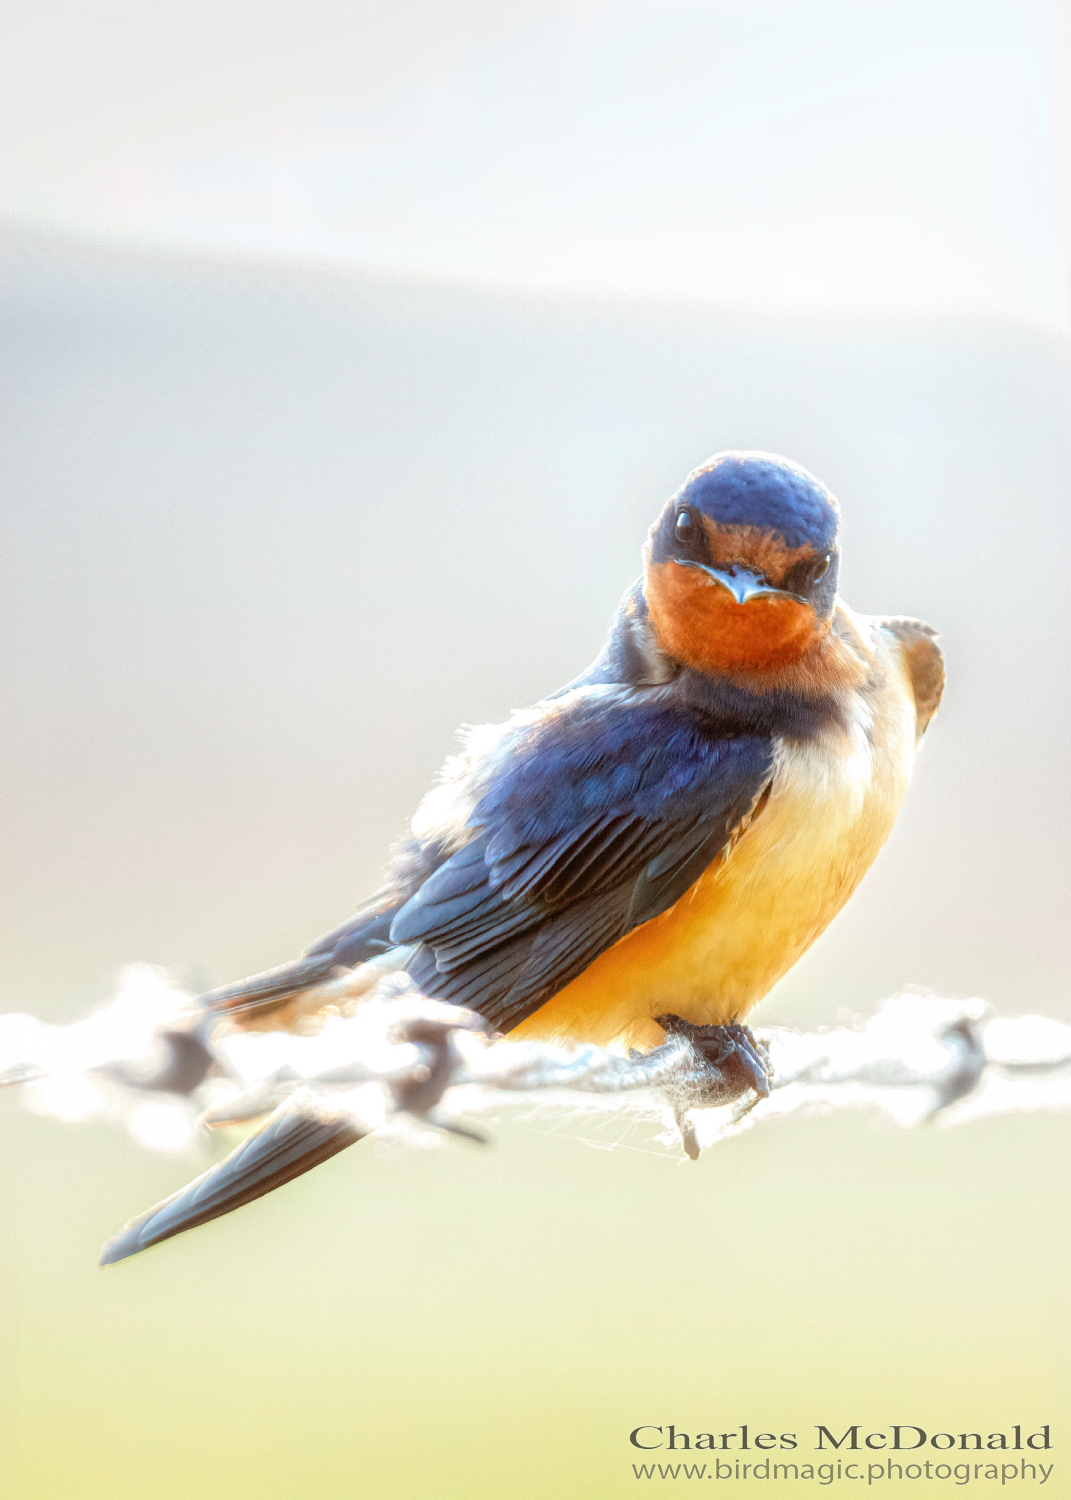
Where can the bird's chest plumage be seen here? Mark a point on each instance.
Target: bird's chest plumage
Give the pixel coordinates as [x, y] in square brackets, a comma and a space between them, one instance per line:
[832, 803]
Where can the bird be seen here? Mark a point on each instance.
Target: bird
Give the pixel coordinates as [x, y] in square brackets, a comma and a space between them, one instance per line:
[646, 851]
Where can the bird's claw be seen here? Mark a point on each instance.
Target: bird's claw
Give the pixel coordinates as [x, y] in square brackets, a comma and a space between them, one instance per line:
[755, 1059]
[733, 1061]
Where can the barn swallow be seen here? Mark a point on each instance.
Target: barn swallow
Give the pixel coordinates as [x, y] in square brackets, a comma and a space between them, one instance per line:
[649, 849]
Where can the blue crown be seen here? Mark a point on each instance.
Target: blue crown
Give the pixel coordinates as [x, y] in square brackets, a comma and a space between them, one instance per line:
[763, 490]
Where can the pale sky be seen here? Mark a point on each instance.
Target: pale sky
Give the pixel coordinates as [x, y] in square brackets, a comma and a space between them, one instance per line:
[839, 154]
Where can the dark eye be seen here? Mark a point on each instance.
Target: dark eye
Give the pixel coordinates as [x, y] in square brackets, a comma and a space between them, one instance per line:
[821, 568]
[685, 527]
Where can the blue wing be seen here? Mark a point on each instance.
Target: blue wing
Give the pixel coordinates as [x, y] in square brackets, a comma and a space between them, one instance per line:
[598, 818]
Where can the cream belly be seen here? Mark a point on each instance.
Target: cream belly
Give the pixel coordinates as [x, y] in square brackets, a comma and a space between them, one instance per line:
[746, 921]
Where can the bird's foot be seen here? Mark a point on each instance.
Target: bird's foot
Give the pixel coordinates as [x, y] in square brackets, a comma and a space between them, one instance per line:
[732, 1062]
[731, 1065]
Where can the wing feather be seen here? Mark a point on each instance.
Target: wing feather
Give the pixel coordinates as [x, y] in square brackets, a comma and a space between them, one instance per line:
[597, 823]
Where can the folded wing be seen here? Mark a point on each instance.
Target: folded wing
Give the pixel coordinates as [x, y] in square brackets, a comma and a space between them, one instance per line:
[590, 818]
[598, 820]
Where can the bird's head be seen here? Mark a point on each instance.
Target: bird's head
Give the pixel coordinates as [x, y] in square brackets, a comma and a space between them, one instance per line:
[741, 566]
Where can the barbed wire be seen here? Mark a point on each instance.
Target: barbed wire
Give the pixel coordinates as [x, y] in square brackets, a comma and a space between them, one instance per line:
[412, 1068]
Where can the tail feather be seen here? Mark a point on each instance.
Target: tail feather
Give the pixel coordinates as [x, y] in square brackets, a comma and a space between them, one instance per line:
[361, 939]
[292, 1141]
[272, 988]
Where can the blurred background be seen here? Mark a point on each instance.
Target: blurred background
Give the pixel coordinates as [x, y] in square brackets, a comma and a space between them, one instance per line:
[348, 352]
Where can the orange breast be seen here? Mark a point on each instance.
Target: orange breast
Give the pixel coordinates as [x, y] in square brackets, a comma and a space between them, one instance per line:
[699, 623]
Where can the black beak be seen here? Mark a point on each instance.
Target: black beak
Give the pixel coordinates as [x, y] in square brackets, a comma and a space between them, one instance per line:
[742, 584]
